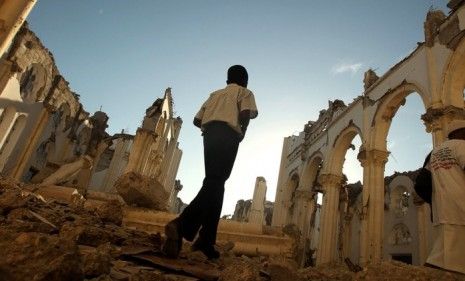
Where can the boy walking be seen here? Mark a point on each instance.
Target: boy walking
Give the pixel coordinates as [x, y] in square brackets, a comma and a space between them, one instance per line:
[223, 119]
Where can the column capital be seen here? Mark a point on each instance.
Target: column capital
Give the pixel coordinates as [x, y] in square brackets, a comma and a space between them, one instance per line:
[374, 156]
[434, 118]
[330, 179]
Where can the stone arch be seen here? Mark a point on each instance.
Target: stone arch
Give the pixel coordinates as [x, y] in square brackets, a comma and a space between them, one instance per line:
[311, 171]
[336, 157]
[388, 108]
[32, 83]
[454, 78]
[12, 137]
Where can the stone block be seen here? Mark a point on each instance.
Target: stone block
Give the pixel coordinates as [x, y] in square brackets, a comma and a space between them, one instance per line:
[142, 191]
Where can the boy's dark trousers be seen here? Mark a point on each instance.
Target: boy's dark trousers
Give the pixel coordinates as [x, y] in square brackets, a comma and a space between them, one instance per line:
[220, 144]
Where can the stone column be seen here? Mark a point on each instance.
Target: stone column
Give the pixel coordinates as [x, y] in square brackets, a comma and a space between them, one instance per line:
[173, 170]
[139, 150]
[424, 232]
[31, 146]
[174, 195]
[327, 243]
[279, 214]
[167, 162]
[12, 16]
[85, 175]
[346, 238]
[372, 217]
[305, 208]
[117, 164]
[257, 209]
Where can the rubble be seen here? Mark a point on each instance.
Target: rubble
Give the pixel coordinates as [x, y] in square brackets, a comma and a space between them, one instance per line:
[142, 191]
[44, 239]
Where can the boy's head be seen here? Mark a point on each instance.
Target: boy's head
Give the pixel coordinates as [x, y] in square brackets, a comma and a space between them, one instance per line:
[238, 74]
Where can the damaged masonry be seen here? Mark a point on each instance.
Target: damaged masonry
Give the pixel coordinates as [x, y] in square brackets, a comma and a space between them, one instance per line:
[79, 204]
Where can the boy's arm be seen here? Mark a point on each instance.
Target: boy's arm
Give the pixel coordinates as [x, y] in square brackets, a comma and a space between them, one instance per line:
[244, 119]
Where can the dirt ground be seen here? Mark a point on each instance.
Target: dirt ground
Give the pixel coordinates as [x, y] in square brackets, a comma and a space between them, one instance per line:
[52, 240]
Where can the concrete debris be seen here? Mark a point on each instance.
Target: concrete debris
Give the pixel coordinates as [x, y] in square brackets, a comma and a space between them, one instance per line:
[111, 212]
[141, 191]
[241, 270]
[67, 171]
[55, 240]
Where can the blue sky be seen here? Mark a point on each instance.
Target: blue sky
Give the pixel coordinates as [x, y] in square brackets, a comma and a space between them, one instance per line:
[121, 55]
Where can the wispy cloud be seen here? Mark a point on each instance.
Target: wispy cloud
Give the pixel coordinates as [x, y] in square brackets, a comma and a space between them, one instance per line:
[346, 67]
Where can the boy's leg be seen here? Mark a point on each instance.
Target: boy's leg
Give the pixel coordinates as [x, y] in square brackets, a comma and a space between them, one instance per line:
[221, 144]
[220, 149]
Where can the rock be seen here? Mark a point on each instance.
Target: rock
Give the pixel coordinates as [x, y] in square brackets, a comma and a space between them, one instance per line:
[240, 270]
[280, 272]
[8, 183]
[37, 256]
[97, 261]
[111, 212]
[11, 199]
[196, 256]
[227, 247]
[88, 235]
[142, 191]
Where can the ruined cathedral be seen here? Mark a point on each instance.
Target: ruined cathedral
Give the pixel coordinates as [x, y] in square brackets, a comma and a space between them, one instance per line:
[88, 204]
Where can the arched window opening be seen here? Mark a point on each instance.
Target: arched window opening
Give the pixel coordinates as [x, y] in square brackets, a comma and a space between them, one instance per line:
[400, 198]
[408, 145]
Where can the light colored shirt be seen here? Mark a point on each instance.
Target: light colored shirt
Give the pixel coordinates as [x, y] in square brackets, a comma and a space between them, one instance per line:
[447, 166]
[226, 104]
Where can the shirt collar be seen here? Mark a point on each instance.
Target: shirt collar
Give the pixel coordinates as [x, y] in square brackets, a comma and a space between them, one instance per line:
[232, 85]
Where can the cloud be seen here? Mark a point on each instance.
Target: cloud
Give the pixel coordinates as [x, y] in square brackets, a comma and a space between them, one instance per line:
[345, 67]
[100, 12]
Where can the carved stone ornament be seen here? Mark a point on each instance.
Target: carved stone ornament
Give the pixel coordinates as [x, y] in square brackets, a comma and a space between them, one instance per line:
[369, 78]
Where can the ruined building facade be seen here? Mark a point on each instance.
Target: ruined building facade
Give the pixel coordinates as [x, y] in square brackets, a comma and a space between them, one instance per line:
[312, 161]
[153, 152]
[47, 137]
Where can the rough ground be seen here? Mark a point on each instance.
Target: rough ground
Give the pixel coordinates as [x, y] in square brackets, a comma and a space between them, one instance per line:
[52, 240]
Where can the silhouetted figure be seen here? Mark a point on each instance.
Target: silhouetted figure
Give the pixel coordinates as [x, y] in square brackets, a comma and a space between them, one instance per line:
[223, 119]
[447, 166]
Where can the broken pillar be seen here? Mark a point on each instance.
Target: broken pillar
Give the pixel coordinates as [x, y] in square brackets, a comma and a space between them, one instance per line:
[257, 210]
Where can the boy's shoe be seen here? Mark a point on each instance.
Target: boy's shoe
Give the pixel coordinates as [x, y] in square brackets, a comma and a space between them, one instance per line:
[208, 250]
[173, 243]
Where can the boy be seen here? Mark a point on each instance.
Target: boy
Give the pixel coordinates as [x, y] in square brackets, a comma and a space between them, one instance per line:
[223, 119]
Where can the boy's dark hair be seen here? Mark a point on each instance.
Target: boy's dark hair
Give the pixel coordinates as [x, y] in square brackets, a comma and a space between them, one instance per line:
[238, 74]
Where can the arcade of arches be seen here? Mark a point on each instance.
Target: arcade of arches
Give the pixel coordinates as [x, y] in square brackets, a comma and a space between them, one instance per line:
[312, 161]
